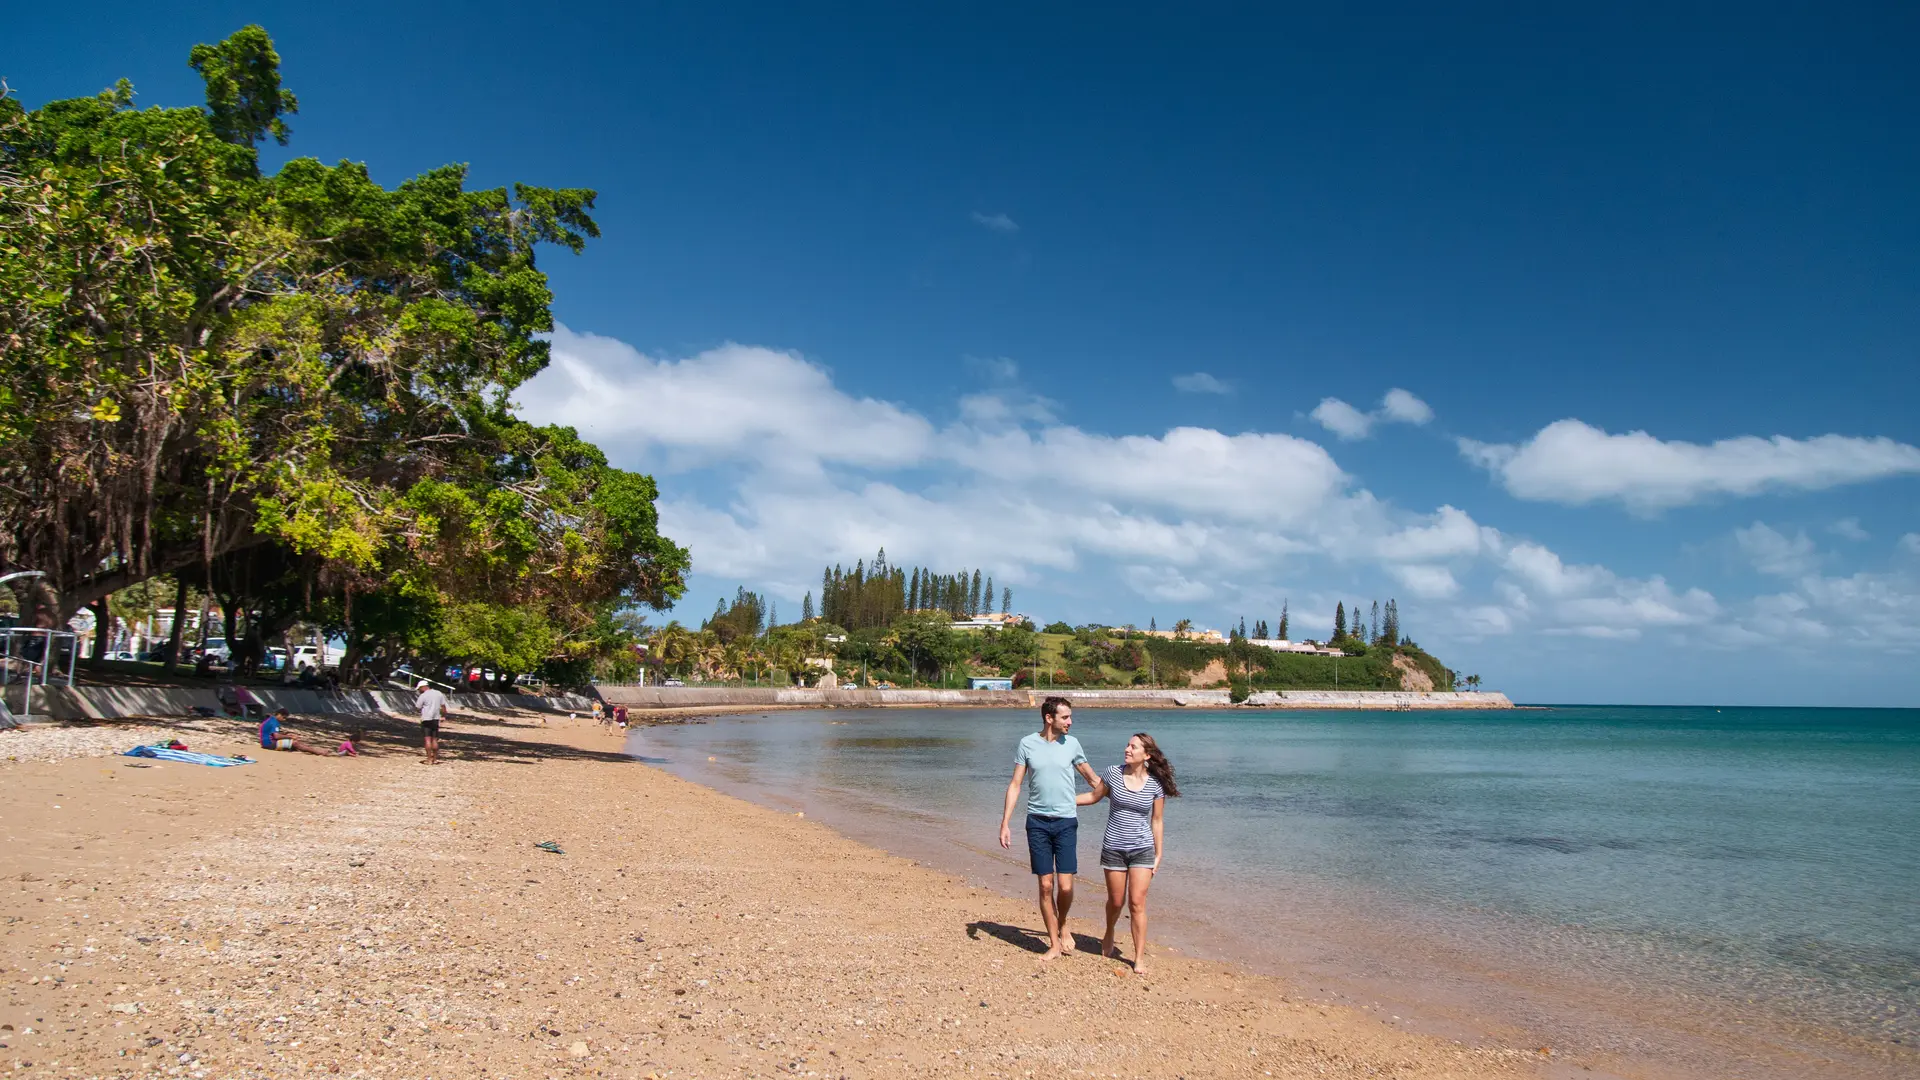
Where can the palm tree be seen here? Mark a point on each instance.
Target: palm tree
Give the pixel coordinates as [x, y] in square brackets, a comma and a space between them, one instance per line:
[1182, 628]
[667, 645]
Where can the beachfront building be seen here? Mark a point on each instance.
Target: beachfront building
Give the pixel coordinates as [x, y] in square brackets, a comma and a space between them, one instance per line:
[989, 621]
[1312, 648]
[1205, 637]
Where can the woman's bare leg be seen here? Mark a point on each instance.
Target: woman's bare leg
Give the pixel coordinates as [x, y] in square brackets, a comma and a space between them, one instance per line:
[1138, 878]
[1116, 899]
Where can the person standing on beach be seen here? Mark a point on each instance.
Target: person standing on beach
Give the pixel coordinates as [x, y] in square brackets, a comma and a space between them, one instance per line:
[433, 708]
[1130, 848]
[1044, 764]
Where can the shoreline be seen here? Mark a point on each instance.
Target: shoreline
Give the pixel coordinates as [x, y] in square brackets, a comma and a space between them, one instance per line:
[1433, 973]
[370, 917]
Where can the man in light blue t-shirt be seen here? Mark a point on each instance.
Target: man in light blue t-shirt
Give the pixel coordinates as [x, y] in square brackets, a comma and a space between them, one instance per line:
[1044, 764]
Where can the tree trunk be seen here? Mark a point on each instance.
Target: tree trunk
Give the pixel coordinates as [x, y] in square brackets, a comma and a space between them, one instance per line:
[102, 629]
[175, 631]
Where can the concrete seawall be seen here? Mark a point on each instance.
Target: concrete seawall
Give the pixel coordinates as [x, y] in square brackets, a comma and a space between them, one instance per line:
[692, 697]
[114, 702]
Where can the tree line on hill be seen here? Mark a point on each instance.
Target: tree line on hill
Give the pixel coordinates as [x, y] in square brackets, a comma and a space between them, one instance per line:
[744, 640]
[875, 594]
[292, 390]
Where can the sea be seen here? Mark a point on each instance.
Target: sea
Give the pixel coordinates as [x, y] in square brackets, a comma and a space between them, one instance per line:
[1662, 892]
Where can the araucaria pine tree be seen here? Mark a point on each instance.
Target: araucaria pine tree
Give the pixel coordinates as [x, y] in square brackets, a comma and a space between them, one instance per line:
[1283, 620]
[1339, 620]
[1373, 623]
[806, 609]
[1006, 599]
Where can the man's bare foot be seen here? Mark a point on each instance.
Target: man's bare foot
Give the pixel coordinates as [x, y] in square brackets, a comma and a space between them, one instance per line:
[1051, 954]
[1066, 945]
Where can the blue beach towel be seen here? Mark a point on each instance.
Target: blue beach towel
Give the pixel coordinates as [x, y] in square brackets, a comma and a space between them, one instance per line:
[165, 754]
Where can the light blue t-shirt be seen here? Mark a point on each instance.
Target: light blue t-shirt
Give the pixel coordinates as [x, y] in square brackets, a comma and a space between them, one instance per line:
[1050, 766]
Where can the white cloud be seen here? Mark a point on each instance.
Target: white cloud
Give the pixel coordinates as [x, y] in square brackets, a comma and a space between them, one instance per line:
[1910, 543]
[1451, 534]
[771, 470]
[1342, 419]
[1400, 405]
[1200, 382]
[1427, 582]
[718, 405]
[1165, 583]
[1397, 407]
[1575, 463]
[1849, 529]
[1593, 601]
[1775, 553]
[999, 223]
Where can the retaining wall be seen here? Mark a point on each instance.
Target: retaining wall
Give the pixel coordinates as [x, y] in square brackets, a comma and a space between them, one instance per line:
[113, 702]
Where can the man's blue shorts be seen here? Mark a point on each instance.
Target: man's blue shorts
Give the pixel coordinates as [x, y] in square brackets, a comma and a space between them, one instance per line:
[1052, 844]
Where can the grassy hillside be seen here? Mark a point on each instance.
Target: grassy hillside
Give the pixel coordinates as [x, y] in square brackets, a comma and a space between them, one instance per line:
[1092, 658]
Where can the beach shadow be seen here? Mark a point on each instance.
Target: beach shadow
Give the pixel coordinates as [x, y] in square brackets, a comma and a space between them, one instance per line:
[382, 735]
[1034, 941]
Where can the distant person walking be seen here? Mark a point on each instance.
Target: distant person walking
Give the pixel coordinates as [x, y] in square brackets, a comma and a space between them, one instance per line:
[1044, 764]
[1137, 791]
[433, 709]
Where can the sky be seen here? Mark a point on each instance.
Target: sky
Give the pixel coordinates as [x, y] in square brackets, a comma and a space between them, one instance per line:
[1589, 336]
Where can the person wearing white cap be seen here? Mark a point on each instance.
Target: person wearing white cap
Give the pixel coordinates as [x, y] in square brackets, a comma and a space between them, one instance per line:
[433, 707]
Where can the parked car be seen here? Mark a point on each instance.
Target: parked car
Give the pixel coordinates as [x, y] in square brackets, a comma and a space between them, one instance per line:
[276, 658]
[121, 655]
[215, 648]
[673, 682]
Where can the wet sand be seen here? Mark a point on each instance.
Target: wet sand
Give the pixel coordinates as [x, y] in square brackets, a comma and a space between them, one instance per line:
[378, 917]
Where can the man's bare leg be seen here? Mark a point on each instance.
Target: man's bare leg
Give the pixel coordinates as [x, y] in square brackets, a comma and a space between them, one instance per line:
[1049, 915]
[433, 750]
[1063, 905]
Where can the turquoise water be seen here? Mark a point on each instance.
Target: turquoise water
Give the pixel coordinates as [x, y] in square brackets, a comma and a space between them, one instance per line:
[1671, 882]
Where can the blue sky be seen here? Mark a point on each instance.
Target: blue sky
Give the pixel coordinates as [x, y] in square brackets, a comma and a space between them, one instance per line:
[1112, 304]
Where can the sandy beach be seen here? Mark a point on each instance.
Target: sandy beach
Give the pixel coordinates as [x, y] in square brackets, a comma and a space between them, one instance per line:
[377, 917]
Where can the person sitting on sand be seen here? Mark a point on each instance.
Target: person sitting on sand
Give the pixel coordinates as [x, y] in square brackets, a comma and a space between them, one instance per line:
[1045, 763]
[1138, 790]
[274, 737]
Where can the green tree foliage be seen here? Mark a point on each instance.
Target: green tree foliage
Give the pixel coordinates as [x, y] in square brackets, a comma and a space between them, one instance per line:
[1282, 631]
[745, 617]
[1339, 621]
[200, 360]
[874, 594]
[1057, 627]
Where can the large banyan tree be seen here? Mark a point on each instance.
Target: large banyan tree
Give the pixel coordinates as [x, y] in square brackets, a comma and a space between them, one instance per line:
[202, 365]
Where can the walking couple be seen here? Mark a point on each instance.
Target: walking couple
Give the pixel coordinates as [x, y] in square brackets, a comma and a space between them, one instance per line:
[1130, 848]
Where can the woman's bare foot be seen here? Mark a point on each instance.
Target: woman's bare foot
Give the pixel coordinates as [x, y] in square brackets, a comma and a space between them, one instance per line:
[1066, 945]
[1052, 953]
[1108, 949]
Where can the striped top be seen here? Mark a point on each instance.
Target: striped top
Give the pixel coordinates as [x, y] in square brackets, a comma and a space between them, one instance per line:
[1130, 820]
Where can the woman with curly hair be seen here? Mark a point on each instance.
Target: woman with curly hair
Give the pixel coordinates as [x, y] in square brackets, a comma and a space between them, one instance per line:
[1130, 849]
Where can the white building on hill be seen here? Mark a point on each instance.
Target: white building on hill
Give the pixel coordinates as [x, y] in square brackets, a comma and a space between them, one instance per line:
[1283, 645]
[989, 621]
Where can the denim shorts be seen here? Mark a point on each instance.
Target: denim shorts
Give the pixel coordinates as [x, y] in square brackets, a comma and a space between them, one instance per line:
[1052, 844]
[1126, 860]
